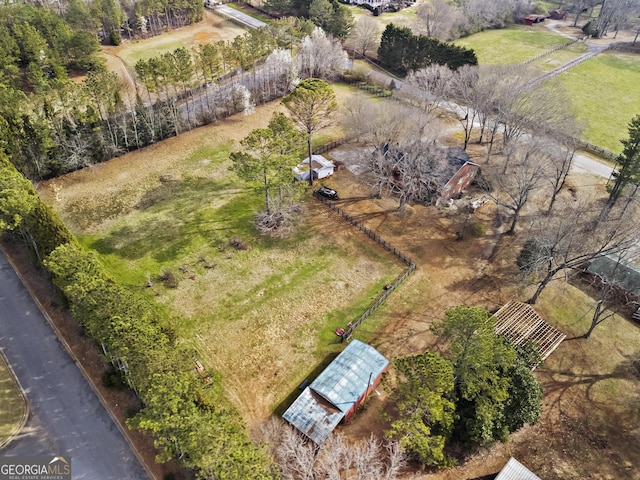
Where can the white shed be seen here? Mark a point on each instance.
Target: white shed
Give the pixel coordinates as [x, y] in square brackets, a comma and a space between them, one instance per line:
[321, 167]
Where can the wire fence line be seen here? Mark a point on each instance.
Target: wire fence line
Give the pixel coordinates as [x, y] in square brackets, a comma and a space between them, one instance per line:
[346, 334]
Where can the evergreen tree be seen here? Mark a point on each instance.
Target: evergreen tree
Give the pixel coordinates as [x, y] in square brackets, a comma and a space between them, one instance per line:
[628, 171]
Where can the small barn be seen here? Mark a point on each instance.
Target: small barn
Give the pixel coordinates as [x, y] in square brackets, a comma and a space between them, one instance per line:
[336, 393]
[465, 172]
[518, 322]
[514, 470]
[320, 166]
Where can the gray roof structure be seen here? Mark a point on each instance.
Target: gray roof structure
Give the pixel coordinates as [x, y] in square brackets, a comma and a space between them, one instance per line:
[514, 470]
[326, 401]
[614, 269]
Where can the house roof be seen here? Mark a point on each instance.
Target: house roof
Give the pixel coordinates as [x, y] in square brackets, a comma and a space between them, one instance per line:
[457, 157]
[317, 161]
[519, 322]
[612, 268]
[514, 470]
[322, 405]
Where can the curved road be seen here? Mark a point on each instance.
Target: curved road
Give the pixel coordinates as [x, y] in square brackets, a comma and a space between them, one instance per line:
[66, 418]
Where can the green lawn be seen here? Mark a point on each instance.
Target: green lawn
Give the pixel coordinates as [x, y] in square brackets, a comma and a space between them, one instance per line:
[190, 36]
[269, 306]
[404, 18]
[12, 404]
[605, 92]
[515, 44]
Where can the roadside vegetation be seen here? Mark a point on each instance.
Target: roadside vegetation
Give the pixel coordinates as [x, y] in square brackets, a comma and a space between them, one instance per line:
[14, 406]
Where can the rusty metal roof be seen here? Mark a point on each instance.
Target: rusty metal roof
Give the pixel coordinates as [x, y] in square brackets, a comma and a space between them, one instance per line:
[313, 416]
[322, 405]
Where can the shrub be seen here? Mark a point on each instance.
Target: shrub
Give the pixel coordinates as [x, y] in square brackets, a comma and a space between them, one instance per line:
[112, 379]
[169, 279]
[478, 229]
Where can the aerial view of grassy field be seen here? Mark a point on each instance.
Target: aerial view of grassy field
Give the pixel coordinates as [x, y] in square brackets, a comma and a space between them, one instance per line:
[210, 30]
[261, 310]
[173, 221]
[514, 44]
[605, 95]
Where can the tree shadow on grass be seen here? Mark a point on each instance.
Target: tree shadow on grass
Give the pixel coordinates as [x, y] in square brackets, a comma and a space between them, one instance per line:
[174, 215]
[561, 381]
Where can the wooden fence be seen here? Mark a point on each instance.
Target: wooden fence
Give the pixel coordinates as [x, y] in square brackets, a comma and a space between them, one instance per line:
[387, 246]
[330, 146]
[550, 51]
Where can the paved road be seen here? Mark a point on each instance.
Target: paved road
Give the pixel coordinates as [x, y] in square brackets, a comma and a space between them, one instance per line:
[584, 164]
[242, 17]
[66, 418]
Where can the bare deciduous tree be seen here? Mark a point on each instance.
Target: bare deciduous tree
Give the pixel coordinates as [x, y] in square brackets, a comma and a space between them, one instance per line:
[441, 19]
[561, 154]
[528, 169]
[364, 34]
[414, 171]
[376, 123]
[605, 302]
[431, 85]
[298, 458]
[572, 236]
[321, 57]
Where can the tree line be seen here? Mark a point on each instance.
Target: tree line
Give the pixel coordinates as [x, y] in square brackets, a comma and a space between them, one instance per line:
[110, 19]
[402, 51]
[330, 15]
[39, 48]
[189, 418]
[69, 125]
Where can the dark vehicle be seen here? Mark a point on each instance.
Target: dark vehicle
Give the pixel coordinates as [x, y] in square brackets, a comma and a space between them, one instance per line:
[328, 193]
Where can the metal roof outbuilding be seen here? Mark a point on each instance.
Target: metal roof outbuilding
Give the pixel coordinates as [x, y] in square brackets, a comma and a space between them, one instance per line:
[337, 391]
[514, 470]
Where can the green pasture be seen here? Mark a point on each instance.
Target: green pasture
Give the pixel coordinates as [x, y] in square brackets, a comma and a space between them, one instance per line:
[515, 44]
[605, 93]
[243, 301]
[560, 57]
[12, 404]
[131, 52]
[404, 18]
